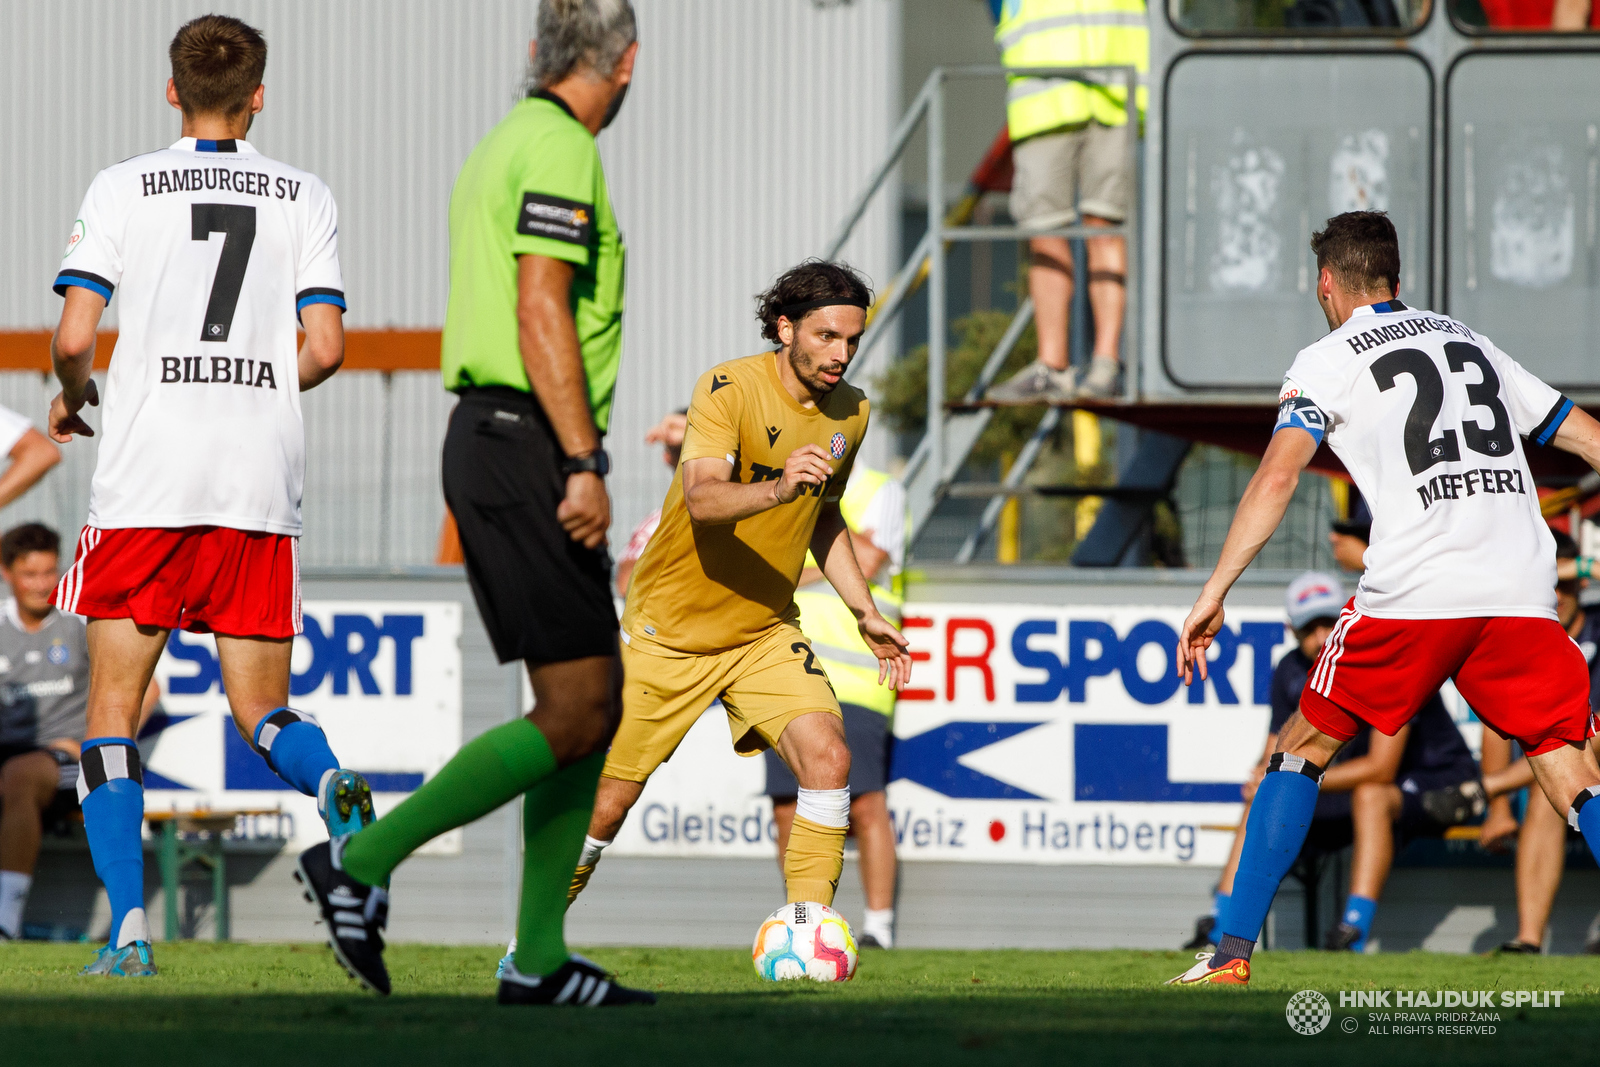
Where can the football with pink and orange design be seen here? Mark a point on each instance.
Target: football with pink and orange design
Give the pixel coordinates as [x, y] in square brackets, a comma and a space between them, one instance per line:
[805, 940]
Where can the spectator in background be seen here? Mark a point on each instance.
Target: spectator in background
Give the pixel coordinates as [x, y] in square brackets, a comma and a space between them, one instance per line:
[44, 690]
[874, 508]
[1542, 839]
[668, 433]
[1350, 536]
[1372, 792]
[1563, 16]
[1070, 151]
[1313, 602]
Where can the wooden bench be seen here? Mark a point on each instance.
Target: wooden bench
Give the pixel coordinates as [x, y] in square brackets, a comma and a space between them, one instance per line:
[207, 846]
[1308, 871]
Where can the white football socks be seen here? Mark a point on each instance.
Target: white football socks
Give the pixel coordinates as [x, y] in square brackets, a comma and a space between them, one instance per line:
[591, 851]
[14, 886]
[135, 927]
[825, 807]
[879, 922]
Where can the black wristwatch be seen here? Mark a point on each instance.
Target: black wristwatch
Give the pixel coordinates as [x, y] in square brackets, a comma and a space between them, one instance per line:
[596, 462]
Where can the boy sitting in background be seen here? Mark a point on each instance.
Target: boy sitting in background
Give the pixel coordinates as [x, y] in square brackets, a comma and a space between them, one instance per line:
[44, 689]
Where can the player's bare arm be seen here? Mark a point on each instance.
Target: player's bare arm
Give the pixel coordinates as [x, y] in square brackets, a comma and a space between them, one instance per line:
[1261, 509]
[868, 554]
[714, 498]
[831, 545]
[31, 457]
[550, 353]
[1579, 434]
[72, 358]
[322, 352]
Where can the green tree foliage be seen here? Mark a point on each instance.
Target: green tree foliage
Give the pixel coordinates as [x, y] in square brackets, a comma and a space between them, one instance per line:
[903, 387]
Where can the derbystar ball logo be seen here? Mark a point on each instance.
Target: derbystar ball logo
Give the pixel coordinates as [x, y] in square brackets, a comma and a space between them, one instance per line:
[837, 445]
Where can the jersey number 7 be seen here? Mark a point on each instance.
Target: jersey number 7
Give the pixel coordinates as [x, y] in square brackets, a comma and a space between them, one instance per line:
[1423, 451]
[237, 224]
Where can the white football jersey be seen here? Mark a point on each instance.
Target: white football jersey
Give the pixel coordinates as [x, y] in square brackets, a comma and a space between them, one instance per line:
[1428, 417]
[213, 249]
[12, 428]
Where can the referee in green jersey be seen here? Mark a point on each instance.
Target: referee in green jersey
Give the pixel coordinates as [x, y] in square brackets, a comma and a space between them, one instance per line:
[532, 339]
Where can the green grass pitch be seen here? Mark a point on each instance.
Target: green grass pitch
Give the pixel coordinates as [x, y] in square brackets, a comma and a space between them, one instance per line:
[241, 1004]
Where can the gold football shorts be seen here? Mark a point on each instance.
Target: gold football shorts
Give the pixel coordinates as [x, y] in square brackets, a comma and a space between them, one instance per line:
[764, 686]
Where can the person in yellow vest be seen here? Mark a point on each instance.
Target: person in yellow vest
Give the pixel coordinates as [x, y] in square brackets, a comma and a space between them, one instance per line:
[1069, 147]
[874, 509]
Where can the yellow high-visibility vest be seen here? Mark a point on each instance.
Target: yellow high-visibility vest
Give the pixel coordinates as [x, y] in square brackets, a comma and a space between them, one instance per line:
[830, 626]
[1056, 33]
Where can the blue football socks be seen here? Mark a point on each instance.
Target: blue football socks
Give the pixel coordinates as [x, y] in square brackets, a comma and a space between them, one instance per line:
[1280, 816]
[111, 791]
[1358, 912]
[296, 749]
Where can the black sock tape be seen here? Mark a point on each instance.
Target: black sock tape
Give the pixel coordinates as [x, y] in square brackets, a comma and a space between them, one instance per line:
[102, 763]
[1282, 761]
[1583, 797]
[267, 732]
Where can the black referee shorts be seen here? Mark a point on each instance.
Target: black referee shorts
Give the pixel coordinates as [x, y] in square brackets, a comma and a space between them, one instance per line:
[544, 598]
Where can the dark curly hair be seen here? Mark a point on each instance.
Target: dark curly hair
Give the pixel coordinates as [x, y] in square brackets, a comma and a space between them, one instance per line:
[1362, 250]
[815, 279]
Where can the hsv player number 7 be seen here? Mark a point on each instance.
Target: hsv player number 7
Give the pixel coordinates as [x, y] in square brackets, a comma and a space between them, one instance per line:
[194, 513]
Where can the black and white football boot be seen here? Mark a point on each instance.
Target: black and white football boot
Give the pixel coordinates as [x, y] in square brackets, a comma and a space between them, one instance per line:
[356, 913]
[578, 983]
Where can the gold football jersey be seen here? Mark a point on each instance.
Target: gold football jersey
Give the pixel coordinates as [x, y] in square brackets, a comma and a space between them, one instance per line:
[702, 588]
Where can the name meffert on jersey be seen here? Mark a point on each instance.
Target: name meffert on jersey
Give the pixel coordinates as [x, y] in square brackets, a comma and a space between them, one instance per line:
[1428, 417]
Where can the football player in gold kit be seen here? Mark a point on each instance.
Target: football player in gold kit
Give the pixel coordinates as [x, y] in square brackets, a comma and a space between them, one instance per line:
[711, 610]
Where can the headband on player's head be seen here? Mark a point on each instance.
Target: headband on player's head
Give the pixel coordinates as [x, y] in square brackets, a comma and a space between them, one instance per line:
[792, 312]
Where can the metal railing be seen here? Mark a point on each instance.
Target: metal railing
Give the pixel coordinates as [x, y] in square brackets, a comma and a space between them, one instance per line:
[950, 436]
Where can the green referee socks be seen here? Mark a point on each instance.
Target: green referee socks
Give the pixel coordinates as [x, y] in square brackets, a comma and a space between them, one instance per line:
[487, 772]
[555, 818]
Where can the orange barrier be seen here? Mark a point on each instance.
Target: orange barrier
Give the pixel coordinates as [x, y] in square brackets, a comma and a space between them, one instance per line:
[384, 350]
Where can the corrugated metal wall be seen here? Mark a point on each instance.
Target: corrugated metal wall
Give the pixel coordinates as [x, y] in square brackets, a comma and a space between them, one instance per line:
[749, 128]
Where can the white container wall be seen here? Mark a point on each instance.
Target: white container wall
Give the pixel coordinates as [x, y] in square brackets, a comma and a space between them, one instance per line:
[749, 128]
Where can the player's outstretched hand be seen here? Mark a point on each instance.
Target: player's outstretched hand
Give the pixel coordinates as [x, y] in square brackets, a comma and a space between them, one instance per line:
[892, 649]
[64, 418]
[1199, 629]
[586, 512]
[806, 465]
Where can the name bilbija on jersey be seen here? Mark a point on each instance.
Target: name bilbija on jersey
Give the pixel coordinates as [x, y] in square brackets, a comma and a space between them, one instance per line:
[213, 250]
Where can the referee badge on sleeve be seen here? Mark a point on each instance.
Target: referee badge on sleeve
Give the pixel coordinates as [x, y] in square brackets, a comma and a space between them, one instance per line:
[551, 216]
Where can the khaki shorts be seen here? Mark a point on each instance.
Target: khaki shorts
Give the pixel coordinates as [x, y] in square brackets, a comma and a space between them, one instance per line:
[1059, 174]
[764, 686]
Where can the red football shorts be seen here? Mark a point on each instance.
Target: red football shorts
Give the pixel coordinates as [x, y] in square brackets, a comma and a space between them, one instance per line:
[1524, 677]
[205, 579]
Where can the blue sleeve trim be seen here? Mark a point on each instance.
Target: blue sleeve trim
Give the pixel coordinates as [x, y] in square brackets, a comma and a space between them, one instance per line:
[1552, 422]
[1299, 413]
[321, 298]
[83, 278]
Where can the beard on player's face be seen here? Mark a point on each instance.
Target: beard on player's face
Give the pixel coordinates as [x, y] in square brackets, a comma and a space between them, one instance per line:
[810, 363]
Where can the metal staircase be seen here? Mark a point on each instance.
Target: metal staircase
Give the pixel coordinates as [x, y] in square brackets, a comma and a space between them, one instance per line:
[953, 429]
